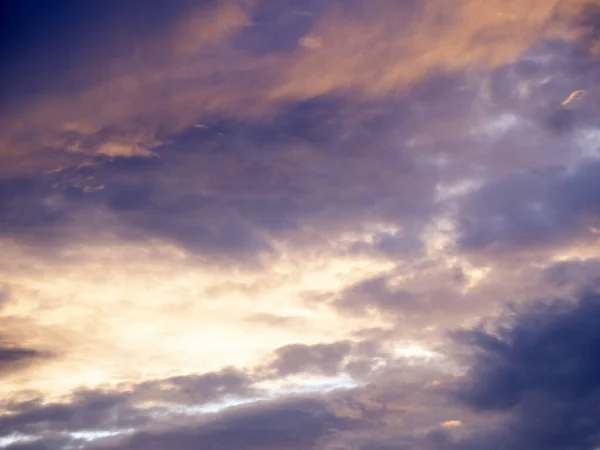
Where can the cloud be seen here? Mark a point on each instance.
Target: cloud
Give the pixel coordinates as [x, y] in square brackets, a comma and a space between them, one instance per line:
[580, 275]
[137, 47]
[369, 52]
[17, 354]
[542, 373]
[86, 410]
[178, 407]
[13, 357]
[269, 423]
[296, 423]
[219, 58]
[125, 407]
[396, 410]
[322, 358]
[80, 287]
[251, 224]
[412, 294]
[271, 188]
[530, 209]
[4, 295]
[353, 138]
[358, 358]
[529, 384]
[196, 389]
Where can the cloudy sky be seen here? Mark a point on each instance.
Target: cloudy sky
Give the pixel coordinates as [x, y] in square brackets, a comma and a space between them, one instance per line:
[300, 225]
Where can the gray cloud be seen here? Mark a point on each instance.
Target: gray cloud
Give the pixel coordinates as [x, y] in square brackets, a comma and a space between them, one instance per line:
[165, 401]
[225, 191]
[330, 163]
[196, 389]
[542, 373]
[294, 424]
[115, 408]
[325, 359]
[13, 357]
[528, 210]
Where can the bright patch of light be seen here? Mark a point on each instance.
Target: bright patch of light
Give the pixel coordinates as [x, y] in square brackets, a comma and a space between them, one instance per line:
[274, 389]
[171, 328]
[451, 423]
[577, 252]
[496, 127]
[588, 142]
[441, 161]
[446, 192]
[17, 438]
[92, 435]
[573, 97]
[475, 275]
[439, 235]
[209, 408]
[414, 351]
[316, 385]
[370, 234]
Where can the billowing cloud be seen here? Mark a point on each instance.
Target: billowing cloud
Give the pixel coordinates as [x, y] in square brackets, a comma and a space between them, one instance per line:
[528, 384]
[541, 373]
[260, 224]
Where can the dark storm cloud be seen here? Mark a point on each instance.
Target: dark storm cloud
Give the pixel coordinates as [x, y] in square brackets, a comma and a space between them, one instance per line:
[542, 373]
[533, 383]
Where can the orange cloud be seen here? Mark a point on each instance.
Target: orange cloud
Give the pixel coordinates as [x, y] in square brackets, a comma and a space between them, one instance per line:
[202, 72]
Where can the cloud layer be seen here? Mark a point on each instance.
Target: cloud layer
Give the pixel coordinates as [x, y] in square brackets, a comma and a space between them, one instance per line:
[316, 225]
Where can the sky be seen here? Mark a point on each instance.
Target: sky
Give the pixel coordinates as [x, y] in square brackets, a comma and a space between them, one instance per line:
[299, 225]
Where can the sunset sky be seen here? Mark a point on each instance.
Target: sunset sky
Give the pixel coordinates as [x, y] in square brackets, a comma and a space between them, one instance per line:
[300, 224]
